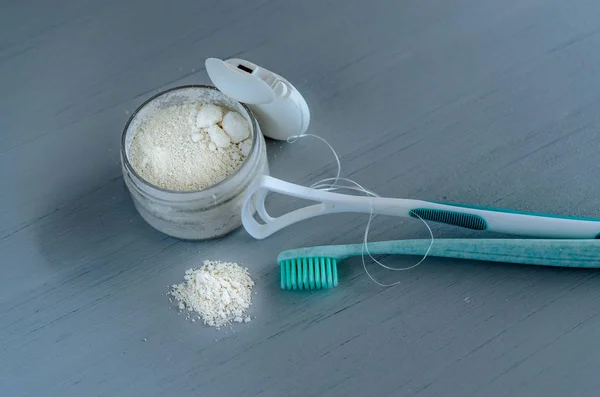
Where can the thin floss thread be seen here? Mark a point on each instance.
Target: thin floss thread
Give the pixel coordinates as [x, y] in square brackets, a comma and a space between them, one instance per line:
[337, 159]
[332, 184]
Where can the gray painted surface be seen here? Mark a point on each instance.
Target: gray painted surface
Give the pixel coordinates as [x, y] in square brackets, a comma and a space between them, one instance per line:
[480, 102]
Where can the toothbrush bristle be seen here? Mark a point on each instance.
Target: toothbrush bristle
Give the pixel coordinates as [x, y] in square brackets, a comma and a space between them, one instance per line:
[308, 273]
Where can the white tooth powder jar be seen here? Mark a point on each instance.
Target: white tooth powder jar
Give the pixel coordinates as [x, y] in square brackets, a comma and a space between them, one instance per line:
[202, 214]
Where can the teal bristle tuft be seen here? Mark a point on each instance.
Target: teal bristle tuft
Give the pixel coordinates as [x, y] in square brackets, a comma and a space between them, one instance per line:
[308, 273]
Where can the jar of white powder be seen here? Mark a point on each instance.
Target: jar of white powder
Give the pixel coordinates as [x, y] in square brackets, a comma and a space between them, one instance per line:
[211, 210]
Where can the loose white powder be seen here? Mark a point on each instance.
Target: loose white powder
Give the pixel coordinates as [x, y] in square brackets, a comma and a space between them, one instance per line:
[184, 147]
[218, 292]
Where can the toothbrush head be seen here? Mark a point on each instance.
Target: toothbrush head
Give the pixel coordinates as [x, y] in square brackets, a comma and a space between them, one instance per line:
[308, 273]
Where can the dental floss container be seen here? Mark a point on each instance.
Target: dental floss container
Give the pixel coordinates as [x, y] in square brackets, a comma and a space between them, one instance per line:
[278, 106]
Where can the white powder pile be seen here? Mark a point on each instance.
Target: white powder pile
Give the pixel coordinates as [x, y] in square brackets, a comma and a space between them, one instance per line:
[219, 293]
[189, 147]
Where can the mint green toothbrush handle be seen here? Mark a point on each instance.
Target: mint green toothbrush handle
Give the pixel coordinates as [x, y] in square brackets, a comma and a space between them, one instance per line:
[566, 253]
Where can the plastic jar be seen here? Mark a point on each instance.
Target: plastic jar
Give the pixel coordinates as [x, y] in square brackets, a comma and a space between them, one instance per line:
[194, 215]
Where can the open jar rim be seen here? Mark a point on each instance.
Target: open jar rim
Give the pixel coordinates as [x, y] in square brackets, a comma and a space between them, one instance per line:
[209, 189]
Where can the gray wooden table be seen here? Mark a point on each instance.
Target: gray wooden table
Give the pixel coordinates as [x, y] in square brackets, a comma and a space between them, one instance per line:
[474, 101]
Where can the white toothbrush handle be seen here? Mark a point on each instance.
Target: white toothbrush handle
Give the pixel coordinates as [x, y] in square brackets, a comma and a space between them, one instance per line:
[492, 219]
[477, 218]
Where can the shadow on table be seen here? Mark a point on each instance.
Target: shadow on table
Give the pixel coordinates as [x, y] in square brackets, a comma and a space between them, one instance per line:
[95, 230]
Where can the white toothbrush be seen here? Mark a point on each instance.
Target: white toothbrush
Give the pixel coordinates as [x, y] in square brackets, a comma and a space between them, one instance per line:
[466, 216]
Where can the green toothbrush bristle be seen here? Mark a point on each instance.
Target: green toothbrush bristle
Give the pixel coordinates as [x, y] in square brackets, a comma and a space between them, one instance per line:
[308, 273]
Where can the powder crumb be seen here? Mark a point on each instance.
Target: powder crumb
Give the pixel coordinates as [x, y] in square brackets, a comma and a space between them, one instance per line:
[220, 292]
[245, 147]
[236, 126]
[218, 136]
[209, 115]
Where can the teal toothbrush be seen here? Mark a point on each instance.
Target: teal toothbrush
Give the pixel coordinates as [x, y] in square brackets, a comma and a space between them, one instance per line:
[316, 267]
